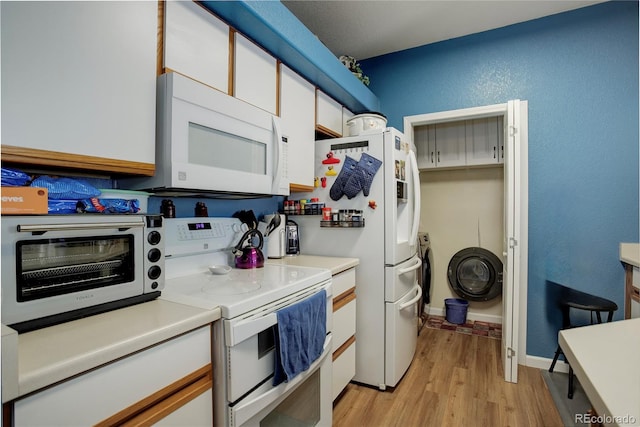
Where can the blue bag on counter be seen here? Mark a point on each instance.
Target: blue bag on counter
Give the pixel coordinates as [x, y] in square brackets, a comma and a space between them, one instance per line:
[14, 178]
[108, 206]
[62, 206]
[65, 188]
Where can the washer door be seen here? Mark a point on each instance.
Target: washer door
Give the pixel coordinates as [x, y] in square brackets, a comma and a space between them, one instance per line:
[475, 274]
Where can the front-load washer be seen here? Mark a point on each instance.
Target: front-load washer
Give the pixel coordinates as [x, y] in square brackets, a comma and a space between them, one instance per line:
[475, 274]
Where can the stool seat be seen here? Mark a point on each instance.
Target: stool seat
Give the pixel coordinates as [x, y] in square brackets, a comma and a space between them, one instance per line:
[572, 298]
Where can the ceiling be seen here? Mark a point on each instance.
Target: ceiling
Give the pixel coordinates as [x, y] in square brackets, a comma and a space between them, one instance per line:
[368, 28]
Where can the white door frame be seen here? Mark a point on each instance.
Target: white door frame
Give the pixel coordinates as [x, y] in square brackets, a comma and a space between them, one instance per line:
[516, 124]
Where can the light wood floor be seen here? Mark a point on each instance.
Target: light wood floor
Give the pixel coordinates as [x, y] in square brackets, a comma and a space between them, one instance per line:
[454, 380]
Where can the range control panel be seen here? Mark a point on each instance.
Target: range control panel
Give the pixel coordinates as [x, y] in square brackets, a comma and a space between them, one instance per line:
[190, 236]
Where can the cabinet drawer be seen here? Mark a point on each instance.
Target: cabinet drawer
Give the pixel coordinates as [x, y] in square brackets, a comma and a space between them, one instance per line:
[98, 394]
[344, 369]
[344, 324]
[342, 282]
[636, 277]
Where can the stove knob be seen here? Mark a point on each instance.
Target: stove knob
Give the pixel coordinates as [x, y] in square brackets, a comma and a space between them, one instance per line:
[154, 237]
[154, 272]
[154, 255]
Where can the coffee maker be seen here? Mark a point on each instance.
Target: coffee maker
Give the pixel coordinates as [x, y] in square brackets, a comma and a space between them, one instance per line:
[293, 239]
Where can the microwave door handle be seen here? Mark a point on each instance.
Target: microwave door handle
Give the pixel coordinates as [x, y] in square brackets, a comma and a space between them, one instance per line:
[416, 197]
[278, 148]
[43, 228]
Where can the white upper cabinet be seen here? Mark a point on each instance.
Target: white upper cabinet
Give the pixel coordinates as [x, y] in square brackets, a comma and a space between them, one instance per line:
[255, 75]
[346, 115]
[196, 44]
[449, 145]
[440, 145]
[297, 112]
[80, 78]
[475, 142]
[328, 115]
[485, 141]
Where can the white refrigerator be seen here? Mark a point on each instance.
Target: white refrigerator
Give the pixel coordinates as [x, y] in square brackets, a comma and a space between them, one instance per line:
[375, 173]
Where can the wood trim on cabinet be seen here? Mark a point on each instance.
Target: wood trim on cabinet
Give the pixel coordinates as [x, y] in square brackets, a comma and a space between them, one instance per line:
[327, 131]
[232, 61]
[299, 188]
[160, 47]
[32, 156]
[343, 348]
[163, 402]
[344, 299]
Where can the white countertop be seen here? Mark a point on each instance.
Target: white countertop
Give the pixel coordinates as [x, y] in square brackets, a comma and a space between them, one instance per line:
[334, 264]
[630, 253]
[606, 360]
[52, 354]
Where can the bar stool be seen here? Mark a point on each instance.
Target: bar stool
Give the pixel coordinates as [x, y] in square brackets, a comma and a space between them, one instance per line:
[572, 298]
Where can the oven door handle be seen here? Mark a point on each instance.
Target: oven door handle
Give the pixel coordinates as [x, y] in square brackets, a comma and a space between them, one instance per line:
[252, 405]
[248, 328]
[43, 228]
[236, 331]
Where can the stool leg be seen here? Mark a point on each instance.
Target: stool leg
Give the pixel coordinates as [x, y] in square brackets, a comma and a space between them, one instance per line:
[555, 359]
[570, 393]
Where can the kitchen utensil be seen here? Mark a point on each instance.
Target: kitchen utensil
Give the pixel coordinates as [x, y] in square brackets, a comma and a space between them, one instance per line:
[293, 239]
[249, 256]
[273, 223]
[276, 241]
[247, 217]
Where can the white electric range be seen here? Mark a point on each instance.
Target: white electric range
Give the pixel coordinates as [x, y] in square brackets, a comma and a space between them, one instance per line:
[197, 259]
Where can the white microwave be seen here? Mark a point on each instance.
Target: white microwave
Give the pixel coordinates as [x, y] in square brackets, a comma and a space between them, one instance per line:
[209, 141]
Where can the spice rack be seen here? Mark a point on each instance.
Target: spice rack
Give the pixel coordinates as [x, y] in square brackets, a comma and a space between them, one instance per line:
[342, 224]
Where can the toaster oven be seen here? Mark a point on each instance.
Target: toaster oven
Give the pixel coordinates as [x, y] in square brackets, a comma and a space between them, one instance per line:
[57, 268]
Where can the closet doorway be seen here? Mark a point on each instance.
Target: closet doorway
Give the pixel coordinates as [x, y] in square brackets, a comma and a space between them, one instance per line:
[512, 152]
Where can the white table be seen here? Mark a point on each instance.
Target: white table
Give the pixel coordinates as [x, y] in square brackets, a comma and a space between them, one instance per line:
[606, 360]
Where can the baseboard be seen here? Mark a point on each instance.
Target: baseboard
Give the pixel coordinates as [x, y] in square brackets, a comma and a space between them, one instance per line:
[490, 318]
[545, 362]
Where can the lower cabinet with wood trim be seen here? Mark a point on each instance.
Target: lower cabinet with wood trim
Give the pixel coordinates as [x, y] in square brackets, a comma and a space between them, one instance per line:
[344, 329]
[167, 384]
[632, 291]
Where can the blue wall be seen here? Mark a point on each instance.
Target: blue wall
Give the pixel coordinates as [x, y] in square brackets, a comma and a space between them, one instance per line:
[579, 72]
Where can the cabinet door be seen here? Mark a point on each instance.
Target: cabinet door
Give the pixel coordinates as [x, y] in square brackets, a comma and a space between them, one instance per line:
[85, 74]
[97, 395]
[424, 137]
[328, 115]
[346, 115]
[484, 141]
[255, 74]
[297, 111]
[196, 44]
[450, 144]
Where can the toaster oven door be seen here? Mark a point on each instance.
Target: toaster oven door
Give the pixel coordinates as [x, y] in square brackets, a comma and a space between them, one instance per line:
[63, 264]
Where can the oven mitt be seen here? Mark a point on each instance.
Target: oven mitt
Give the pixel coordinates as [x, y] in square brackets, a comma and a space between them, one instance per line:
[362, 176]
[337, 189]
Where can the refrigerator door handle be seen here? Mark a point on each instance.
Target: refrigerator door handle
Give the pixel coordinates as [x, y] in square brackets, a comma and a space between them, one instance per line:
[416, 197]
[415, 266]
[413, 300]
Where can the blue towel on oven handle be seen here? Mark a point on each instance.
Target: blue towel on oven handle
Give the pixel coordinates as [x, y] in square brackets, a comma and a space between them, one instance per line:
[300, 336]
